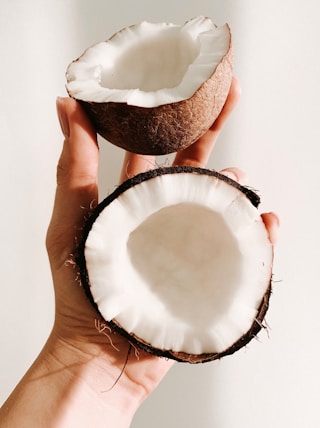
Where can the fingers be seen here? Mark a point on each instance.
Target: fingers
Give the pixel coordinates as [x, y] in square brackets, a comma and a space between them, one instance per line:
[77, 173]
[235, 174]
[78, 164]
[195, 155]
[198, 153]
[271, 220]
[133, 164]
[272, 223]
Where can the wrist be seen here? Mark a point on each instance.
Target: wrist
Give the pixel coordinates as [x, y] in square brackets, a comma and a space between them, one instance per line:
[97, 381]
[68, 386]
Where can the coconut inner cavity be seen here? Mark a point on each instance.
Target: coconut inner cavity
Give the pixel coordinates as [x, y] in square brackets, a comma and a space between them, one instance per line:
[149, 65]
[182, 264]
[152, 63]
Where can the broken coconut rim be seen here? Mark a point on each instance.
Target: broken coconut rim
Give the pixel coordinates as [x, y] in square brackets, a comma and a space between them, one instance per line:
[126, 255]
[149, 64]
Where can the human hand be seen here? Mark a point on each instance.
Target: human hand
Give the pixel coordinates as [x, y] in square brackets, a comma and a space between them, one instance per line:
[77, 193]
[87, 374]
[77, 323]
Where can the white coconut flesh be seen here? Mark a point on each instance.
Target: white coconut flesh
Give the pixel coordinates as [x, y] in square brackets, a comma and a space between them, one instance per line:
[181, 261]
[149, 64]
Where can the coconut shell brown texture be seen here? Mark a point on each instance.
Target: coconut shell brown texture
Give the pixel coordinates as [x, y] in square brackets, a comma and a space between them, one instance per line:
[257, 324]
[167, 128]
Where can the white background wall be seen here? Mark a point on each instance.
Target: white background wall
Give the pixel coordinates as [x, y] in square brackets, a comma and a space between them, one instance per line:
[274, 135]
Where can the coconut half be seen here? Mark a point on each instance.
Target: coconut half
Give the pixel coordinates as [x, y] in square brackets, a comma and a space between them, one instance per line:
[179, 261]
[155, 88]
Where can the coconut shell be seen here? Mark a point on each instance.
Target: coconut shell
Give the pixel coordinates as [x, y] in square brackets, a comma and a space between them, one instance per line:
[257, 324]
[166, 128]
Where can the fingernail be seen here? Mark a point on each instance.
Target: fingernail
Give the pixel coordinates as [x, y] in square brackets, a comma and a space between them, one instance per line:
[276, 217]
[63, 118]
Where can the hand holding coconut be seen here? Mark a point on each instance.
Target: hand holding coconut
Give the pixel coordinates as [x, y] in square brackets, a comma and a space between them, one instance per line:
[71, 382]
[170, 245]
[179, 260]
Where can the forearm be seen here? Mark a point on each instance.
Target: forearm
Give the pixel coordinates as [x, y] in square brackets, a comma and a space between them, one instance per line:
[62, 391]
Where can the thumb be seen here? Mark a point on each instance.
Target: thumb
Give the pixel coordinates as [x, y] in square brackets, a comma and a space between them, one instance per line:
[77, 176]
[78, 164]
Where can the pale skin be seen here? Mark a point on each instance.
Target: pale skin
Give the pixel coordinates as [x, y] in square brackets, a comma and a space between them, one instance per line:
[72, 382]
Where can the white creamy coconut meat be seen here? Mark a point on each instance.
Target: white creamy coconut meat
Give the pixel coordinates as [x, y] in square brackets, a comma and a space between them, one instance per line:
[180, 261]
[149, 64]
